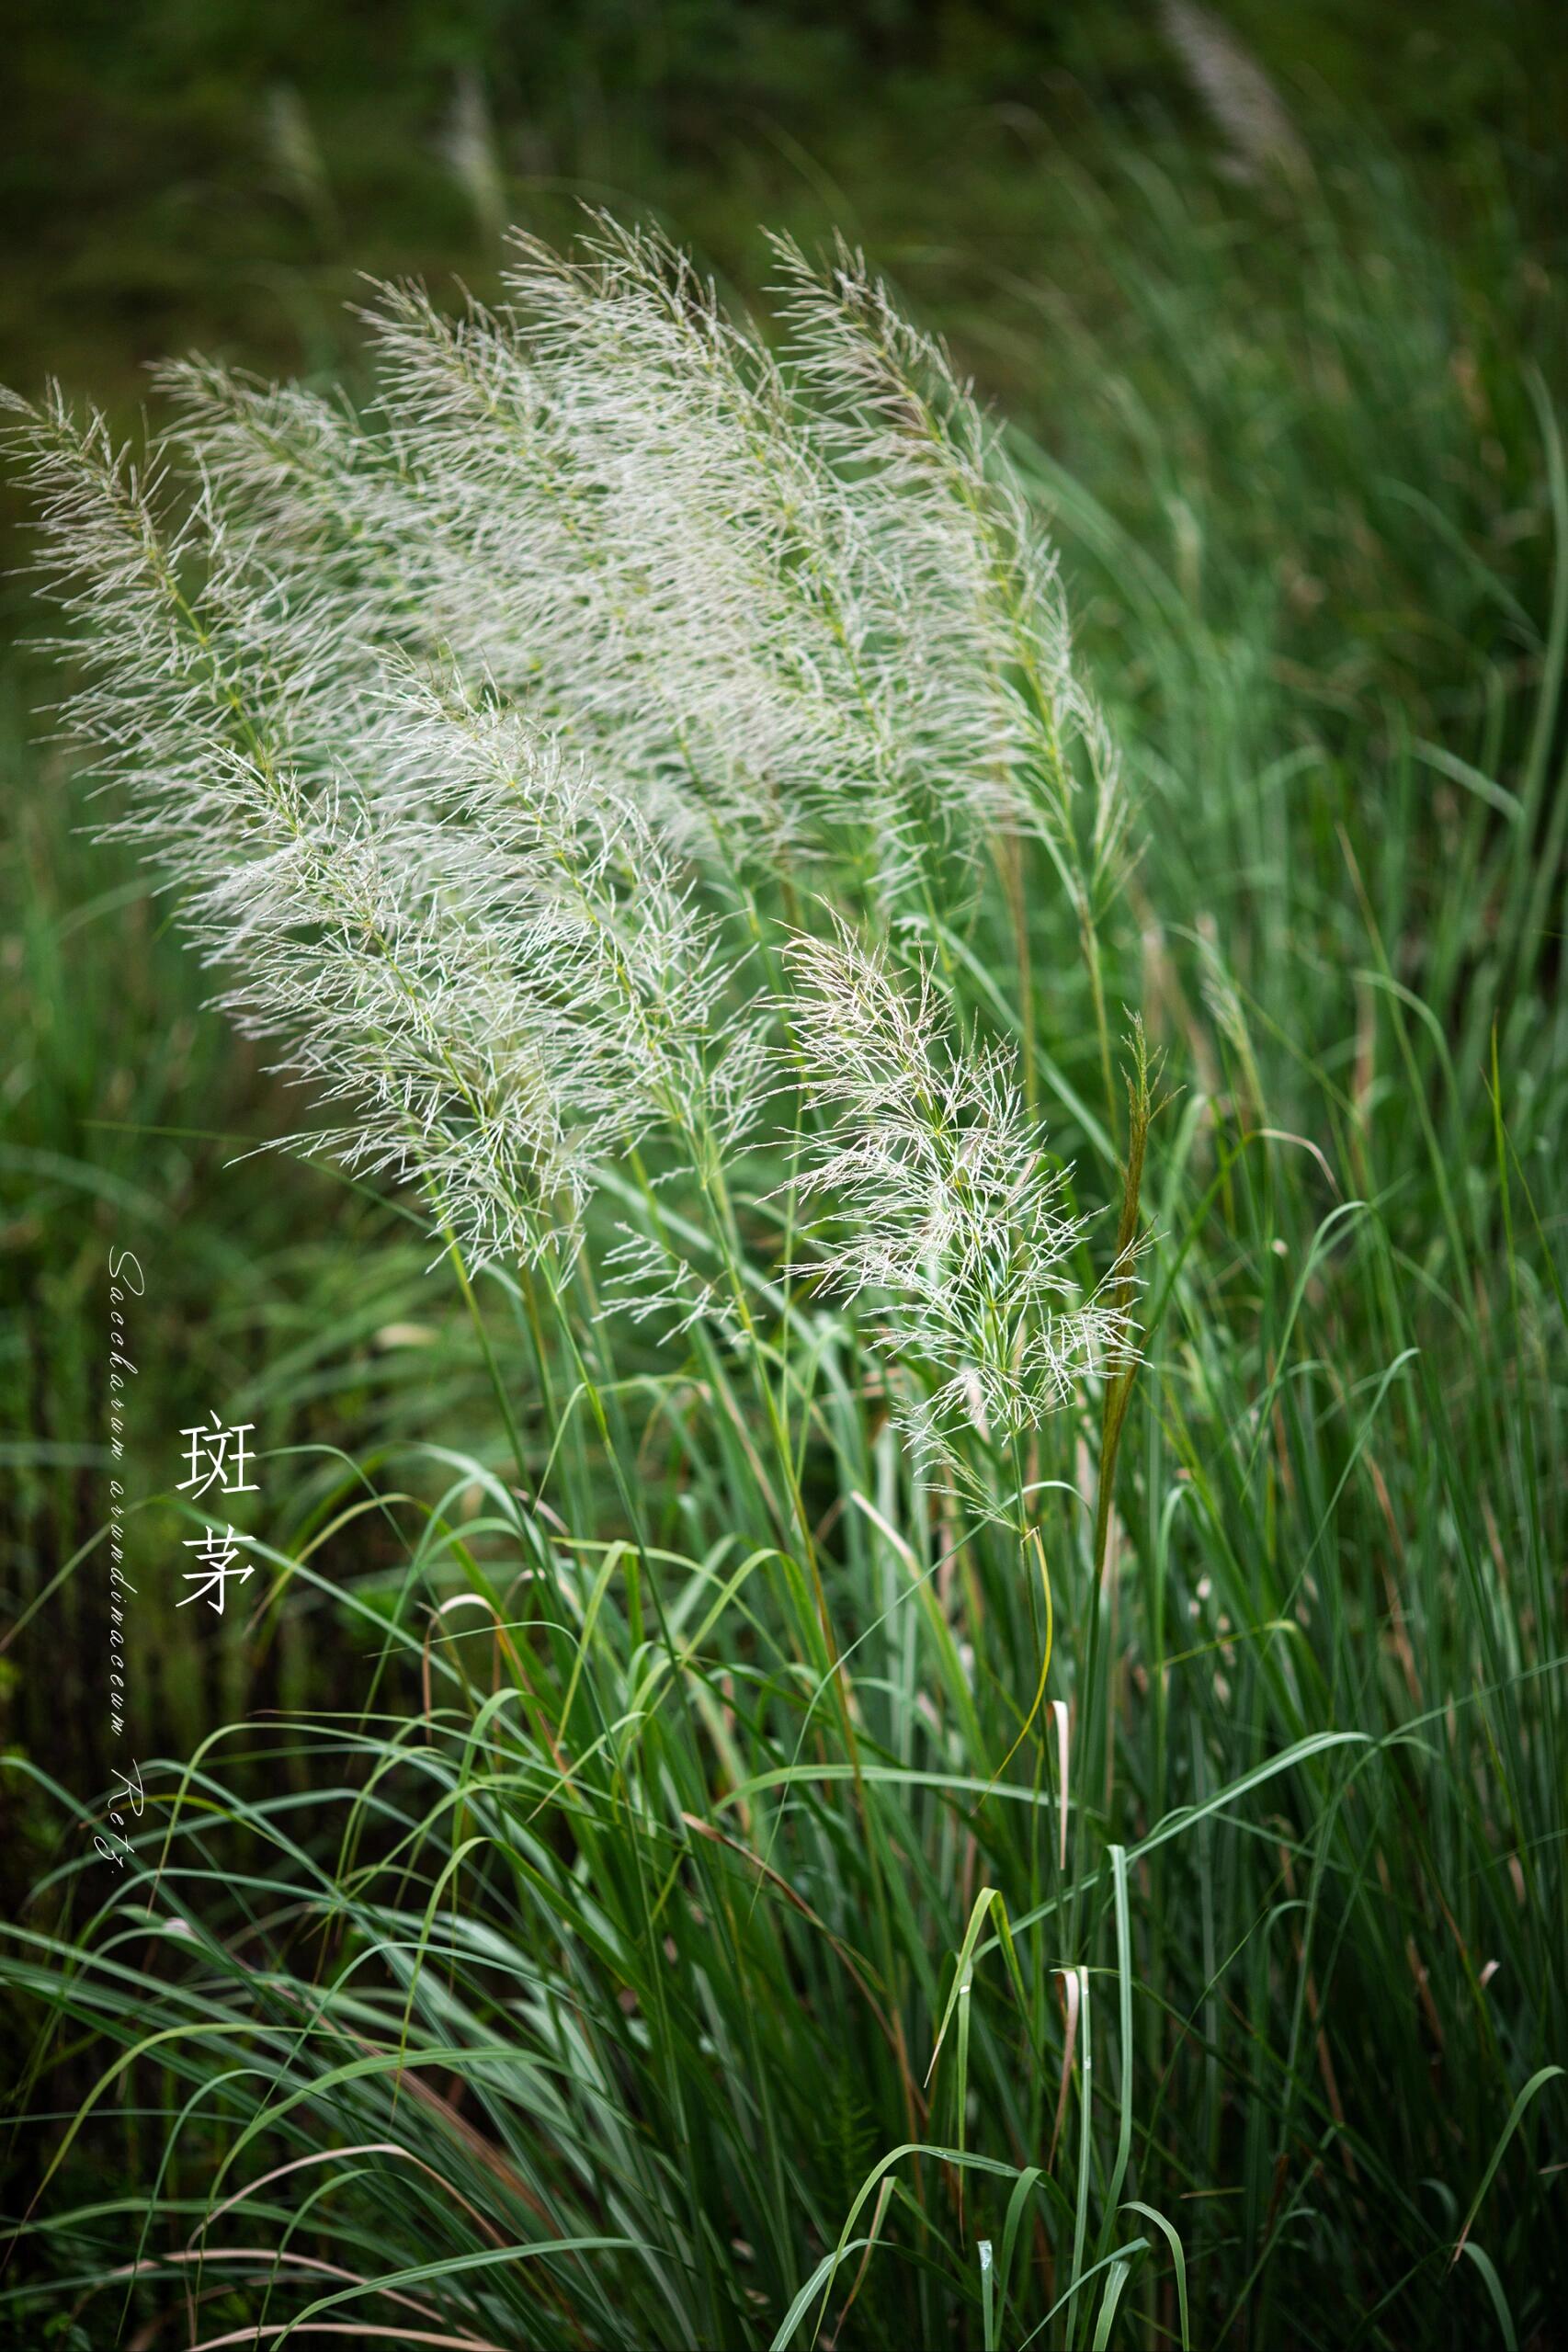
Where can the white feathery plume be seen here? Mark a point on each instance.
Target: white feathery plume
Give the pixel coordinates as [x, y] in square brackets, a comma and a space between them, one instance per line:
[940, 1198]
[1018, 720]
[484, 960]
[446, 719]
[790, 604]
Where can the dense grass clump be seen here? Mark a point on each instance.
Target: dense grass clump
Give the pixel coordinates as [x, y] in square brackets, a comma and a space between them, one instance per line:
[961, 1742]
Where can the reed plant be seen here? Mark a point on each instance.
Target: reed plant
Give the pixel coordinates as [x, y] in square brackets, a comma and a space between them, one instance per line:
[968, 1751]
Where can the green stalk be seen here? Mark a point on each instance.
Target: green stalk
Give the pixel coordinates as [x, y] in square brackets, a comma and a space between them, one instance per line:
[1119, 1387]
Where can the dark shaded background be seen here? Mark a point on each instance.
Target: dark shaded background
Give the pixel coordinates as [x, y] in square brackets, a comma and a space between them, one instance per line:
[202, 170]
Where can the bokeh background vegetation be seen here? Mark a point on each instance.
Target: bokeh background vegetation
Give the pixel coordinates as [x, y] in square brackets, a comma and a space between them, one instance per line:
[1302, 412]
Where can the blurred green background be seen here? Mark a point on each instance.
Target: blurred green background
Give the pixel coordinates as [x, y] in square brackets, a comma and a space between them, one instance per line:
[1047, 184]
[195, 170]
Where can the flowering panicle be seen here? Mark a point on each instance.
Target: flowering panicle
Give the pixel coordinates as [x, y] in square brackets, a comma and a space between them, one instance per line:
[467, 725]
[892, 404]
[484, 963]
[938, 1198]
[791, 603]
